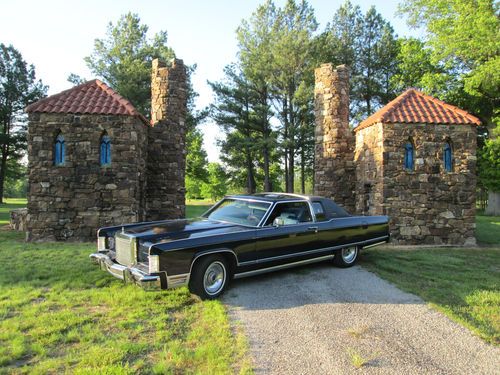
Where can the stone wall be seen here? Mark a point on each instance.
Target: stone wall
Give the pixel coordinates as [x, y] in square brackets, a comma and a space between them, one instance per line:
[368, 157]
[429, 205]
[18, 219]
[70, 201]
[334, 175]
[167, 150]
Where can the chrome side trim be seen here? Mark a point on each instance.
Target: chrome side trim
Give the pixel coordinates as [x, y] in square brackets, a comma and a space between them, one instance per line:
[374, 244]
[332, 248]
[213, 252]
[282, 266]
[178, 280]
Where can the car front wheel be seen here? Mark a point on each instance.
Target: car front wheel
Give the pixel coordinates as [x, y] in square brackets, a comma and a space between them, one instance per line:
[209, 277]
[346, 257]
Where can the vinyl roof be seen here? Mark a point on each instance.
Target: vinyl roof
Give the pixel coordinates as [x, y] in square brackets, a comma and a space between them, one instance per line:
[274, 197]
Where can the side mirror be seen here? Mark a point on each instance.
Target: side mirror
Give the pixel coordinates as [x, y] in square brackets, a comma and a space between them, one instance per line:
[279, 222]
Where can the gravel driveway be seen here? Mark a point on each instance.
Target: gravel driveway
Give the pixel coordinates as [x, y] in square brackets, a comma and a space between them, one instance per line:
[318, 319]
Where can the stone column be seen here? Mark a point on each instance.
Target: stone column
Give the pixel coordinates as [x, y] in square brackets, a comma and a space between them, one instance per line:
[334, 175]
[165, 191]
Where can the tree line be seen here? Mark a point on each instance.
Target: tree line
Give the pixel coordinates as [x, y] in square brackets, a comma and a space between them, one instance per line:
[264, 103]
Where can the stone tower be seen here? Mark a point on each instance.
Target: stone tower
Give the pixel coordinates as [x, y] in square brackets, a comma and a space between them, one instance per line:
[334, 168]
[166, 159]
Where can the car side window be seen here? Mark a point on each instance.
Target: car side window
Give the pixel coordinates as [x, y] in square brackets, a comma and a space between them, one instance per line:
[319, 211]
[290, 213]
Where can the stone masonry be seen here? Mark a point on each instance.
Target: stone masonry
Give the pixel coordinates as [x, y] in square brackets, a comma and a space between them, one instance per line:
[145, 179]
[71, 201]
[429, 205]
[334, 168]
[167, 141]
[367, 175]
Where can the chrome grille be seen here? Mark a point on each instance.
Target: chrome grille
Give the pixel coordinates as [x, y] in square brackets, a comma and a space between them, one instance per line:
[126, 252]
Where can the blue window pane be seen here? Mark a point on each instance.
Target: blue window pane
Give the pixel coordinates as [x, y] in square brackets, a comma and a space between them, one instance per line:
[408, 161]
[448, 160]
[59, 150]
[105, 150]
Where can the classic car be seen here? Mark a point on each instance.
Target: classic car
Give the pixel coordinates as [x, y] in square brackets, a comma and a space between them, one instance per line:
[240, 236]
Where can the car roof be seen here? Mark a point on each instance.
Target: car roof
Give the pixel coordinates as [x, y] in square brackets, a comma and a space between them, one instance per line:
[275, 197]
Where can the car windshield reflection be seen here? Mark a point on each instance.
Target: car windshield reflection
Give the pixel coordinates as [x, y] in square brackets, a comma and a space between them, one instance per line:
[239, 211]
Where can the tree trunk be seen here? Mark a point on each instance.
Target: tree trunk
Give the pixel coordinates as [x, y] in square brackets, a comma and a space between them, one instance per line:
[5, 154]
[267, 181]
[250, 173]
[285, 138]
[291, 169]
[493, 208]
[302, 171]
[291, 149]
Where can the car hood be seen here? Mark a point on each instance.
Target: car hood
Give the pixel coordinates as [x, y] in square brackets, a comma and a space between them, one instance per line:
[173, 230]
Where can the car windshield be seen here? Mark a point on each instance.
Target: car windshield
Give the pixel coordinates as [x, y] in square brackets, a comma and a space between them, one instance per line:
[239, 211]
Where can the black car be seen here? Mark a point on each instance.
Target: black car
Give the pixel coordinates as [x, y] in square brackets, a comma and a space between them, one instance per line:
[239, 236]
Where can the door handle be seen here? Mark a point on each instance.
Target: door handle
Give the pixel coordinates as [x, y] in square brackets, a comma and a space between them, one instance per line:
[315, 229]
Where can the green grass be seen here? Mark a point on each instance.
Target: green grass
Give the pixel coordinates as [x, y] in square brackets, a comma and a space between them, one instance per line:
[488, 229]
[60, 314]
[195, 208]
[10, 204]
[462, 283]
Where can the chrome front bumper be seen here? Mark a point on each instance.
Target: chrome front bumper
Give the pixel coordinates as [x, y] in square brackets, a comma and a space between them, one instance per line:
[130, 275]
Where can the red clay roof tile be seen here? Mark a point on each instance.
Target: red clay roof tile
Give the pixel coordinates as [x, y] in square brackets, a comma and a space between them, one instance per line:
[92, 97]
[413, 106]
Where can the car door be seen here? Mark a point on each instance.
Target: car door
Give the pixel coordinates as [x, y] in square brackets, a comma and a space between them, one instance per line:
[293, 238]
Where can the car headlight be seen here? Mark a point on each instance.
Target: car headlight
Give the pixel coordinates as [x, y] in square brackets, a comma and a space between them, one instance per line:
[110, 241]
[154, 263]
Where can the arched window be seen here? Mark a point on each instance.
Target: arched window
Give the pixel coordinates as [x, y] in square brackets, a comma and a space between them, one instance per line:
[409, 156]
[105, 149]
[59, 150]
[448, 157]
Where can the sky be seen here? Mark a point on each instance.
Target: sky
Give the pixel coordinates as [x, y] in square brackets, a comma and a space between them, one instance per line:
[56, 35]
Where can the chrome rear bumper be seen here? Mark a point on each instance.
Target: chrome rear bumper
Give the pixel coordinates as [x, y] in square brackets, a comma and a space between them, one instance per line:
[129, 275]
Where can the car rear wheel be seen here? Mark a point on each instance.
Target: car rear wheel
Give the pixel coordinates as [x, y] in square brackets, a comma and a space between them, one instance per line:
[209, 277]
[346, 257]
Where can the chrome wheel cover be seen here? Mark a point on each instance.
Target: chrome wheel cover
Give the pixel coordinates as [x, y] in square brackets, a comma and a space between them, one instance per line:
[349, 254]
[214, 278]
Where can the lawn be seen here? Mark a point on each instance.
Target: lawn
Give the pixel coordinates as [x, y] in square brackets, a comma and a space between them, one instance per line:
[488, 230]
[464, 284]
[198, 207]
[10, 204]
[60, 314]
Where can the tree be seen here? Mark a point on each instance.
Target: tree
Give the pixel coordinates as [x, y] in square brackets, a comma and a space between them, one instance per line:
[368, 45]
[293, 64]
[123, 59]
[216, 187]
[255, 58]
[233, 110]
[466, 32]
[18, 88]
[489, 172]
[196, 164]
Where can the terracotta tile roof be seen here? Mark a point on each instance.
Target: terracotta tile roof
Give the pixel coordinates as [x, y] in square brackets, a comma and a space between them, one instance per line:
[92, 97]
[412, 106]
